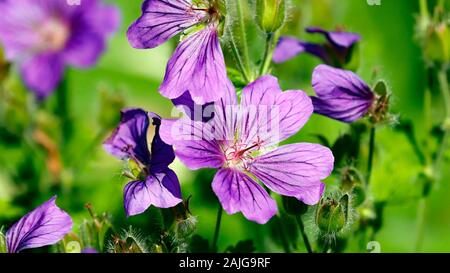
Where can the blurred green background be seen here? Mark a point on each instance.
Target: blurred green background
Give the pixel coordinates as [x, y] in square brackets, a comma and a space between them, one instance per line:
[387, 47]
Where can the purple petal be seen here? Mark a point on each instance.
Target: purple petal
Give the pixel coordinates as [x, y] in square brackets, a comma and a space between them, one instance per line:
[129, 140]
[162, 153]
[160, 189]
[287, 48]
[197, 66]
[311, 195]
[42, 73]
[104, 19]
[84, 49]
[337, 38]
[270, 115]
[89, 250]
[161, 20]
[295, 169]
[193, 143]
[45, 225]
[341, 94]
[191, 109]
[199, 144]
[238, 192]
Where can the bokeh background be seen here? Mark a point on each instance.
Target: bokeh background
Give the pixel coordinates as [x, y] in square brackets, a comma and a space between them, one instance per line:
[131, 77]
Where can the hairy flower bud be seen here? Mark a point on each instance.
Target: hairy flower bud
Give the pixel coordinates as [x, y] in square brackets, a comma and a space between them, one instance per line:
[270, 14]
[331, 216]
[433, 33]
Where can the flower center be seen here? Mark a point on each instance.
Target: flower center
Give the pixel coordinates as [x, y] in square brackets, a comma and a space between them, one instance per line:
[240, 155]
[53, 35]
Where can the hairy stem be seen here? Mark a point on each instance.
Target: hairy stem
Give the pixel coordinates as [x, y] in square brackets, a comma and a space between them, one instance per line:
[301, 226]
[371, 154]
[271, 40]
[217, 229]
[237, 57]
[245, 54]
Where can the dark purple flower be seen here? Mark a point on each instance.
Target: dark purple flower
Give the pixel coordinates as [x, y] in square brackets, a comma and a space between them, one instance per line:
[336, 50]
[198, 65]
[45, 225]
[341, 94]
[43, 36]
[240, 140]
[156, 184]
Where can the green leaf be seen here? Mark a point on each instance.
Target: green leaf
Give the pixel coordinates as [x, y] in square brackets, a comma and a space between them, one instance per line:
[246, 246]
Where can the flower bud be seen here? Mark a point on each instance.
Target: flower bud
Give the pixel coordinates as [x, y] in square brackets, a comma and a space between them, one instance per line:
[331, 216]
[270, 14]
[293, 206]
[186, 227]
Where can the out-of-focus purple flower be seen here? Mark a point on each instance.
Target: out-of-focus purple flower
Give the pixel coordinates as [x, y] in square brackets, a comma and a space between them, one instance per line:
[239, 141]
[198, 65]
[336, 50]
[156, 184]
[45, 225]
[89, 250]
[341, 94]
[43, 36]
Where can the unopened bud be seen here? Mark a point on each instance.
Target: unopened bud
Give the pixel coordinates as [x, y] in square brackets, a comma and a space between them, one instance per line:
[270, 14]
[331, 215]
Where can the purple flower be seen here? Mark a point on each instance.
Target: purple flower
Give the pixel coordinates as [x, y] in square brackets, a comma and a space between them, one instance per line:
[43, 36]
[45, 225]
[337, 50]
[239, 141]
[341, 94]
[198, 65]
[156, 184]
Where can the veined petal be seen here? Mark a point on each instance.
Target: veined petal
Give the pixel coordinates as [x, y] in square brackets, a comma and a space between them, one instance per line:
[269, 115]
[162, 153]
[237, 192]
[197, 66]
[45, 225]
[311, 195]
[341, 94]
[295, 169]
[161, 20]
[129, 139]
[159, 189]
[194, 141]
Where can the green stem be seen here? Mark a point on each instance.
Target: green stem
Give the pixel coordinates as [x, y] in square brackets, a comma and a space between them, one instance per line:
[443, 82]
[268, 53]
[423, 8]
[421, 217]
[284, 240]
[217, 229]
[245, 54]
[237, 57]
[301, 226]
[371, 154]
